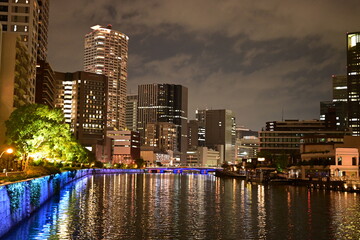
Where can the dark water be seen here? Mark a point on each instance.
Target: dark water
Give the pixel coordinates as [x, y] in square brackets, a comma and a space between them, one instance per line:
[174, 206]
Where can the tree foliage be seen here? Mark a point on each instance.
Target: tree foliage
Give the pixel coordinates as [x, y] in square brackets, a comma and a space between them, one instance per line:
[140, 162]
[38, 131]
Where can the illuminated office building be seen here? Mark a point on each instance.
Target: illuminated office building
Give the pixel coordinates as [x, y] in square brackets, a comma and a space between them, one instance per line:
[131, 112]
[106, 52]
[220, 133]
[353, 81]
[165, 103]
[82, 97]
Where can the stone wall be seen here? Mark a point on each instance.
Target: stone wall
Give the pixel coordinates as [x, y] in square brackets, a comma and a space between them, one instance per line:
[18, 200]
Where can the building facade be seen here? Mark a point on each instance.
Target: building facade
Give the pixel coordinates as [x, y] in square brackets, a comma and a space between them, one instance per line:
[14, 73]
[220, 132]
[196, 134]
[161, 135]
[106, 52]
[335, 112]
[203, 157]
[285, 137]
[122, 147]
[29, 19]
[131, 112]
[346, 163]
[83, 98]
[45, 91]
[247, 147]
[165, 103]
[353, 81]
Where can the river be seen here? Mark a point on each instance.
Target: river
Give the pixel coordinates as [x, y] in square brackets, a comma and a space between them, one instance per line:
[191, 206]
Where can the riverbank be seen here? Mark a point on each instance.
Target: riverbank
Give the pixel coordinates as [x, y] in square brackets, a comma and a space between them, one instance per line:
[20, 199]
[336, 185]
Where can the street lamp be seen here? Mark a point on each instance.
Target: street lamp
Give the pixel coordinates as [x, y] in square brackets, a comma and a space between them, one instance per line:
[8, 151]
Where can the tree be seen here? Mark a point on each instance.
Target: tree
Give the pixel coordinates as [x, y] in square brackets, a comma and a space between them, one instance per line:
[37, 131]
[140, 162]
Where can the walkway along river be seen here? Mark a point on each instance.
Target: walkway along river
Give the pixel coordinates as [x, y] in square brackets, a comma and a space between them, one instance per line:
[191, 206]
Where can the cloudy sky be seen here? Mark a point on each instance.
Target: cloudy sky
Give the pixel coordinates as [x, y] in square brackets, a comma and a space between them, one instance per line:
[256, 58]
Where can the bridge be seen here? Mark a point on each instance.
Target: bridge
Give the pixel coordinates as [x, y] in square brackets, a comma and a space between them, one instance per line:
[201, 170]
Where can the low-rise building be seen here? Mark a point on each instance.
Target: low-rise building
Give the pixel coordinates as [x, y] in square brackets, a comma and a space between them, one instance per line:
[203, 157]
[346, 163]
[122, 147]
[155, 157]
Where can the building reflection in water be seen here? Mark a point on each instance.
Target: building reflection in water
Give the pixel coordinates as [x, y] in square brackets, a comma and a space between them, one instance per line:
[187, 206]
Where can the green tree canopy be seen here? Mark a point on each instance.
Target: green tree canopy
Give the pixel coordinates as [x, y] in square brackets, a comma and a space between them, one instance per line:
[38, 131]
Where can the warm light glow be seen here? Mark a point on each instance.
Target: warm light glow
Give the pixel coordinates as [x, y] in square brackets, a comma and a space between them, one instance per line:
[9, 150]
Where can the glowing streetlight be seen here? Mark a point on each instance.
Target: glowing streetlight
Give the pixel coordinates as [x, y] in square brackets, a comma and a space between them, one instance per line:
[8, 151]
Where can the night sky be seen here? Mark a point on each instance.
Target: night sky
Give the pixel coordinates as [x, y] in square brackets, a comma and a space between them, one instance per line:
[253, 57]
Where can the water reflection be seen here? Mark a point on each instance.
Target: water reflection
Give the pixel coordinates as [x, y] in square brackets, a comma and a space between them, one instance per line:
[174, 206]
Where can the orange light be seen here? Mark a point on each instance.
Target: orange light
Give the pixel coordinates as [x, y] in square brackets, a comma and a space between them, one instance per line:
[9, 150]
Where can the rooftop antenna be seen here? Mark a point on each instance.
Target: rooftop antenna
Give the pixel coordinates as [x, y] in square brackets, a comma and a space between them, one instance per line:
[282, 114]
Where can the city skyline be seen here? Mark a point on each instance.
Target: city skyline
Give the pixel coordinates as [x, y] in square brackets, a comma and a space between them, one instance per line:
[256, 59]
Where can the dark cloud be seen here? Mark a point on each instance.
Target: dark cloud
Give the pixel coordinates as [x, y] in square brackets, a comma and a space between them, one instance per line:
[257, 58]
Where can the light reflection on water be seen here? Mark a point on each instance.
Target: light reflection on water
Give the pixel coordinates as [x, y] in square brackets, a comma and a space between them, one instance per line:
[174, 206]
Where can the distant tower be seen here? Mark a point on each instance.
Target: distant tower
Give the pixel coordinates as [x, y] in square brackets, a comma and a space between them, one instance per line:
[164, 103]
[353, 81]
[220, 132]
[131, 111]
[106, 52]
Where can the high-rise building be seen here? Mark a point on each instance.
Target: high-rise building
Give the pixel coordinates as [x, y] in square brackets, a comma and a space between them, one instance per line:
[334, 112]
[43, 29]
[45, 84]
[161, 135]
[131, 111]
[328, 114]
[164, 103]
[28, 18]
[200, 115]
[14, 72]
[196, 134]
[220, 132]
[353, 81]
[83, 98]
[106, 52]
[339, 92]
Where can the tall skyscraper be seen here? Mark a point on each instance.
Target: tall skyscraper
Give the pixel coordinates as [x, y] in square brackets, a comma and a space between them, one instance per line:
[220, 132]
[164, 103]
[14, 73]
[83, 100]
[353, 81]
[28, 18]
[196, 134]
[45, 84]
[106, 52]
[131, 112]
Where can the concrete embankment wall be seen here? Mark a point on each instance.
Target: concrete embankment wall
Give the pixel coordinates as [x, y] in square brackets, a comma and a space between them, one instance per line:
[18, 200]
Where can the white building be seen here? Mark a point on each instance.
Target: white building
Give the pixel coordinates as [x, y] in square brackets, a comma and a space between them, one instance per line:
[204, 157]
[346, 163]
